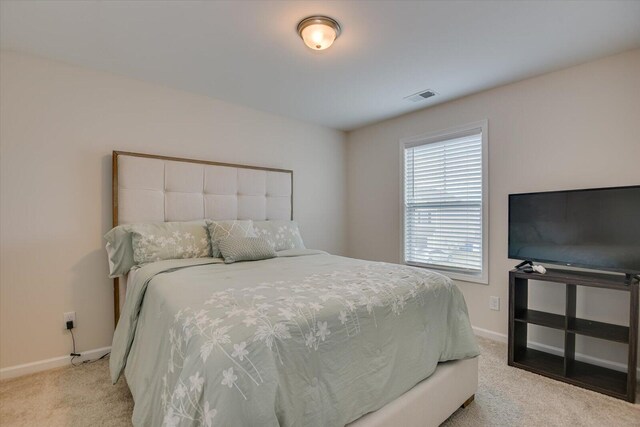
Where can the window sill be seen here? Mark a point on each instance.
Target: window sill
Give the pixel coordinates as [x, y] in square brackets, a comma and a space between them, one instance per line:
[481, 279]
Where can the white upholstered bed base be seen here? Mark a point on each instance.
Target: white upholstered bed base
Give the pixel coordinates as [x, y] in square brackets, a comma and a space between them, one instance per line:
[154, 188]
[431, 401]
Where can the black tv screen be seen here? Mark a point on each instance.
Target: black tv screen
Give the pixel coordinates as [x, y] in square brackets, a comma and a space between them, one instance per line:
[597, 228]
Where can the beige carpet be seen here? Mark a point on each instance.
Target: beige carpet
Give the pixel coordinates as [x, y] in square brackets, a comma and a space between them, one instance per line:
[513, 397]
[84, 396]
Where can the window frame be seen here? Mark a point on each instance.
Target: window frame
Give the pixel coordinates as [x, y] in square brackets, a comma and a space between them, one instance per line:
[439, 136]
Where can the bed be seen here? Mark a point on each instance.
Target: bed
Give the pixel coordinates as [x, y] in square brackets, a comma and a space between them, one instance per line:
[306, 338]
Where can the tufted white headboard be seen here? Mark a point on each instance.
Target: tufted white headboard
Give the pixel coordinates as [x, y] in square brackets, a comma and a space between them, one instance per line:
[150, 188]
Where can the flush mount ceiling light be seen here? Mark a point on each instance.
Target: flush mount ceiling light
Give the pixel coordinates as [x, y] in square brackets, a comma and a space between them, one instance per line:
[318, 32]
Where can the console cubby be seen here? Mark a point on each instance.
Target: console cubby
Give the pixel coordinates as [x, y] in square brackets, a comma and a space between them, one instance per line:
[565, 367]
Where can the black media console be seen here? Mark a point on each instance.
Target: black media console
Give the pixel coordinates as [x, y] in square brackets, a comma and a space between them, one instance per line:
[566, 368]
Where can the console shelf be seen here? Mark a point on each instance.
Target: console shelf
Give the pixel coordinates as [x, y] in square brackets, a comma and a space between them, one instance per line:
[565, 367]
[605, 331]
[550, 320]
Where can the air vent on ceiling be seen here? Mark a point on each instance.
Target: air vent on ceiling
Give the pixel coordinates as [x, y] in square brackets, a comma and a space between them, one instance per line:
[420, 96]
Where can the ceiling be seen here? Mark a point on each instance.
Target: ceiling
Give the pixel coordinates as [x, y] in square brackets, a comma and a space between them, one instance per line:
[249, 53]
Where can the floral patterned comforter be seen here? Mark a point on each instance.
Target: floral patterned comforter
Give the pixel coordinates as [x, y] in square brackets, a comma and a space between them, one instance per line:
[315, 340]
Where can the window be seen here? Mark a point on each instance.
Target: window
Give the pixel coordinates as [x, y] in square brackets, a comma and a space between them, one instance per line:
[445, 202]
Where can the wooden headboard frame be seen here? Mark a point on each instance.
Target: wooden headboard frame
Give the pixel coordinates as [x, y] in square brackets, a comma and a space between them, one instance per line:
[114, 188]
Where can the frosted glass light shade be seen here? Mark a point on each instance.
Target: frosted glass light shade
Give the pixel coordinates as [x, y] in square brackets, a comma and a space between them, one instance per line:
[318, 36]
[318, 32]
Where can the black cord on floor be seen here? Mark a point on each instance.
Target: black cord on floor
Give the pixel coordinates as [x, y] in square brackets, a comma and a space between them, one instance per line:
[74, 355]
[84, 362]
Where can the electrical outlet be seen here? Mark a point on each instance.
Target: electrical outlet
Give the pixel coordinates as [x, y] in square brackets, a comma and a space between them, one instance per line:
[70, 316]
[494, 303]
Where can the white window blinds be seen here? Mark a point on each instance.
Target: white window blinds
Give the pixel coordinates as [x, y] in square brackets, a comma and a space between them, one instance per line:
[443, 211]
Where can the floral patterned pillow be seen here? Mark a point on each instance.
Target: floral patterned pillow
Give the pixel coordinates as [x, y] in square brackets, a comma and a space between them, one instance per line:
[219, 230]
[281, 235]
[170, 240]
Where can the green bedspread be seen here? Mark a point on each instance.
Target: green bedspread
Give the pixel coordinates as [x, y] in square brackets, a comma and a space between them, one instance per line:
[316, 340]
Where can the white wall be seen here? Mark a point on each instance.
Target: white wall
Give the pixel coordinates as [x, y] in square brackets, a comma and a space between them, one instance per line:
[58, 126]
[575, 128]
[579, 127]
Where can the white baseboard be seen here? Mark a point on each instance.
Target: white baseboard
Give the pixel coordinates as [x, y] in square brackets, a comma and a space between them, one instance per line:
[56, 362]
[496, 336]
[485, 333]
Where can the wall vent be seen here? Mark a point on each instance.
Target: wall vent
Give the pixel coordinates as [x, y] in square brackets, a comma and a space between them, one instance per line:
[420, 96]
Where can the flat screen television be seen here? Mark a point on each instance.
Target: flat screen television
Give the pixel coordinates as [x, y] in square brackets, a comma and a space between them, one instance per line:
[596, 228]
